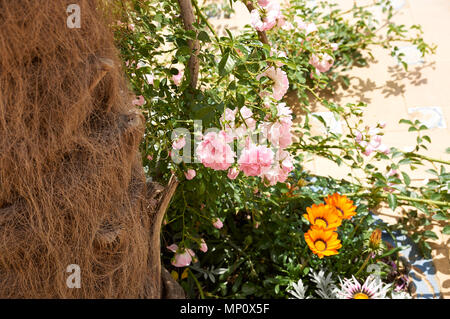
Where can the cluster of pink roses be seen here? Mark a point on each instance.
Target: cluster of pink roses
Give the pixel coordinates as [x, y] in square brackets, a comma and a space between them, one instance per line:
[370, 140]
[216, 153]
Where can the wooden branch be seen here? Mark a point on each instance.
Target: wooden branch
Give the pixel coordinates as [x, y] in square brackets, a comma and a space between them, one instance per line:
[187, 14]
[261, 34]
[155, 232]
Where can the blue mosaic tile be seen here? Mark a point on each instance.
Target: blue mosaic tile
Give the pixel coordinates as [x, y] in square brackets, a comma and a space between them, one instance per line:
[423, 272]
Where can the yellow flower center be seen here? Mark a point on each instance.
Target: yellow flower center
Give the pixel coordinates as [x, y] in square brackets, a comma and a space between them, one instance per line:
[320, 245]
[321, 222]
[360, 295]
[340, 210]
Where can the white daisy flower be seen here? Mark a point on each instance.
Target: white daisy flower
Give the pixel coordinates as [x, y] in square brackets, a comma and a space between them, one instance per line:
[373, 288]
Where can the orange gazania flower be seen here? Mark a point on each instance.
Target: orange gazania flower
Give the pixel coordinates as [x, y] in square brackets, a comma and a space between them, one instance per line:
[344, 205]
[322, 242]
[324, 216]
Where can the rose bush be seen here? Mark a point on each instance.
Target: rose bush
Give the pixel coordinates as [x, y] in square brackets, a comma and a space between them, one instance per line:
[238, 148]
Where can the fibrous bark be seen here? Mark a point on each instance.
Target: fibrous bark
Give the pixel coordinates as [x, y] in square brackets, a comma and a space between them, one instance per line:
[72, 187]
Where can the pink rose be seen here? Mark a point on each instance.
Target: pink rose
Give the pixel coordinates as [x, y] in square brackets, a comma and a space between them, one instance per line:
[309, 27]
[182, 258]
[179, 143]
[233, 173]
[139, 101]
[255, 160]
[266, 21]
[217, 223]
[203, 246]
[214, 151]
[278, 133]
[178, 77]
[322, 62]
[280, 171]
[280, 79]
[190, 174]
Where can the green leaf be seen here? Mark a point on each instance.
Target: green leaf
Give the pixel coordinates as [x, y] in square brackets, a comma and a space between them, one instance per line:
[405, 161]
[390, 252]
[392, 200]
[403, 121]
[430, 234]
[446, 230]
[441, 216]
[203, 36]
[226, 64]
[406, 179]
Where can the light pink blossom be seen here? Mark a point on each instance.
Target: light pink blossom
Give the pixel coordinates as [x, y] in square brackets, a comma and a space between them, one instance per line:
[233, 173]
[268, 18]
[217, 223]
[321, 61]
[263, 3]
[139, 101]
[203, 246]
[308, 27]
[179, 143]
[279, 172]
[182, 258]
[214, 151]
[177, 78]
[190, 174]
[280, 79]
[255, 160]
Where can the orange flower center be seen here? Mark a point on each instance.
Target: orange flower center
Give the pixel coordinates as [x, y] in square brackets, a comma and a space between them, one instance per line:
[321, 222]
[320, 245]
[360, 295]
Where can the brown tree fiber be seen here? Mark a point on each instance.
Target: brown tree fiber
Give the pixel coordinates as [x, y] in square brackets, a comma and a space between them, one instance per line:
[72, 189]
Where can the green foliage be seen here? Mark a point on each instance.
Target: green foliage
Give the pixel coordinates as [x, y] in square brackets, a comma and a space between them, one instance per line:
[261, 248]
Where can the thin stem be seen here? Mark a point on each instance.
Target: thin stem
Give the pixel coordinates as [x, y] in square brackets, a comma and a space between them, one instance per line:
[405, 198]
[430, 159]
[363, 265]
[200, 290]
[205, 20]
